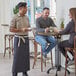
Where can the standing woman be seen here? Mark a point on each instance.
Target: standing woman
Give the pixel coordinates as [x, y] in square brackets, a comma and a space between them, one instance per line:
[71, 30]
[20, 26]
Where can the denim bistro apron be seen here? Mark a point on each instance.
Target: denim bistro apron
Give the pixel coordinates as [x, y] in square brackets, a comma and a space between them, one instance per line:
[21, 61]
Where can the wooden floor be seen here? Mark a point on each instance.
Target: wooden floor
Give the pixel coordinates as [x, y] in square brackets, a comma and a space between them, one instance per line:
[6, 68]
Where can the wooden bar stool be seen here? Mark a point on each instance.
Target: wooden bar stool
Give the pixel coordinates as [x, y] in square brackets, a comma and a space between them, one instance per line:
[8, 37]
[74, 52]
[35, 56]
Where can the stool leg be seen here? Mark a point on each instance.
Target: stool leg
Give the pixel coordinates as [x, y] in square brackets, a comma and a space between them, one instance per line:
[65, 62]
[12, 45]
[9, 48]
[41, 61]
[4, 46]
[75, 61]
[51, 59]
[45, 62]
[35, 54]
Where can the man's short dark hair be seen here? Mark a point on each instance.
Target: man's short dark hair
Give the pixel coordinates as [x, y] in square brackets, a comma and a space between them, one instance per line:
[46, 8]
[21, 4]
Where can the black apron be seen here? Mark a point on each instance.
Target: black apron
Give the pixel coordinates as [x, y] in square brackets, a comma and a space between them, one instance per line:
[21, 62]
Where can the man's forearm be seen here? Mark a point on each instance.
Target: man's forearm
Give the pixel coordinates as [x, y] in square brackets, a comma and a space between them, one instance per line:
[15, 30]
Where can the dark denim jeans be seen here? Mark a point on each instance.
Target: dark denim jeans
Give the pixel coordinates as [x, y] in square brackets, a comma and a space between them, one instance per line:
[44, 40]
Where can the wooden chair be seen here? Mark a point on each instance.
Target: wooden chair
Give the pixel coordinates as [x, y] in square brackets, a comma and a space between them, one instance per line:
[74, 52]
[35, 54]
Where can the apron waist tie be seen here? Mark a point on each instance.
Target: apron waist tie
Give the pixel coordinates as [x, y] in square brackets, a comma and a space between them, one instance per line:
[21, 37]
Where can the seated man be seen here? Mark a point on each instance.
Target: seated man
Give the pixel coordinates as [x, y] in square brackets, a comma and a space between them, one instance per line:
[43, 25]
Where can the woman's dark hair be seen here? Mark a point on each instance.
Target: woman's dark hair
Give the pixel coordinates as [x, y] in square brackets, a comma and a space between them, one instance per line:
[21, 4]
[46, 8]
[73, 13]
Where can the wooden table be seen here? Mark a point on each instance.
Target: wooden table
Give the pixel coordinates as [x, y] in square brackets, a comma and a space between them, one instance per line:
[47, 34]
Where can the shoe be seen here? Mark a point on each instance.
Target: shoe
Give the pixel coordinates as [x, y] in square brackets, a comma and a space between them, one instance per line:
[44, 55]
[25, 74]
[14, 74]
[71, 62]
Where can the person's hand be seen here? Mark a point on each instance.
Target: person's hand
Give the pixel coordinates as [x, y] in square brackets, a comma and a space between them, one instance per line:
[22, 29]
[56, 30]
[25, 29]
[29, 29]
[47, 30]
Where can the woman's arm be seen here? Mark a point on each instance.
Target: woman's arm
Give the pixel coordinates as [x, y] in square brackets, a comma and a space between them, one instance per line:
[66, 29]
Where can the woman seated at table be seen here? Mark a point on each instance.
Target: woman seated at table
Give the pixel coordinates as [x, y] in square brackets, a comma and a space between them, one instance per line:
[70, 29]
